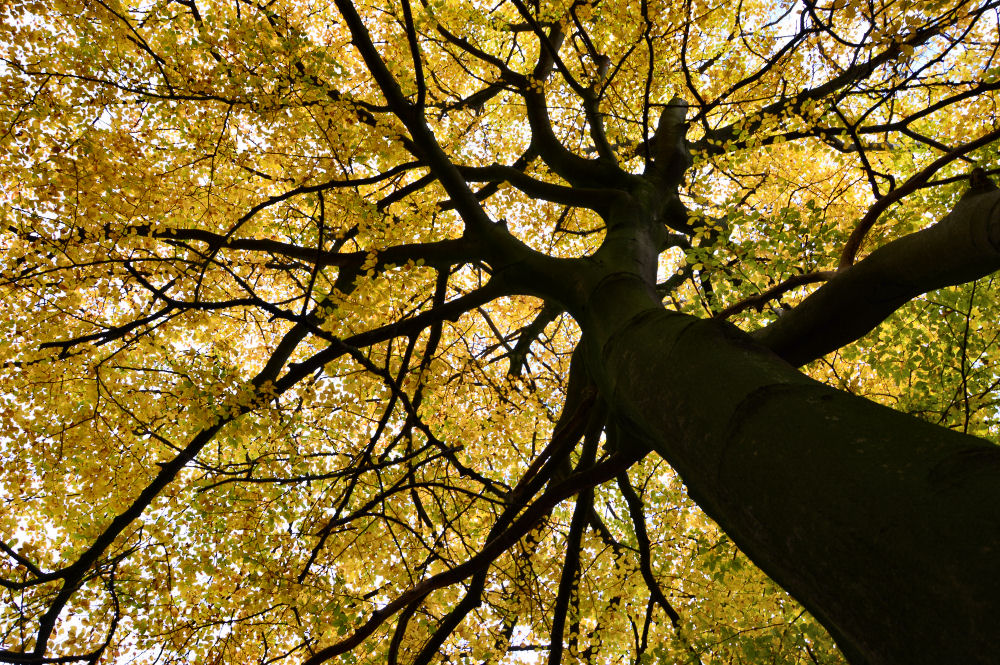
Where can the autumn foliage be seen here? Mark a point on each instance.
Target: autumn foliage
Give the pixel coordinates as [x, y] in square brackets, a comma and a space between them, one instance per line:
[293, 295]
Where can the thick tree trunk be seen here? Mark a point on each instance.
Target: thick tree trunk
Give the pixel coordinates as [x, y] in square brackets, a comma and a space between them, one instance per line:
[885, 527]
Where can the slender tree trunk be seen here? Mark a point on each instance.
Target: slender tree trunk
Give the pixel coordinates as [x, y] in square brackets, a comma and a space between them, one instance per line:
[885, 527]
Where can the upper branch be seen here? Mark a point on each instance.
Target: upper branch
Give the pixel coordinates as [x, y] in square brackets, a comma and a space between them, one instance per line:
[571, 167]
[715, 139]
[911, 185]
[963, 246]
[493, 238]
[418, 67]
[594, 198]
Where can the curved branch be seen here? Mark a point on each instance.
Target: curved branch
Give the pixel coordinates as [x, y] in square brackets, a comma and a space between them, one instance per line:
[642, 539]
[397, 636]
[595, 198]
[912, 184]
[518, 356]
[569, 166]
[758, 301]
[963, 246]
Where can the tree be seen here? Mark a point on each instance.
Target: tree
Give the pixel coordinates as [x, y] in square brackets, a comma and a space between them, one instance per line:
[401, 331]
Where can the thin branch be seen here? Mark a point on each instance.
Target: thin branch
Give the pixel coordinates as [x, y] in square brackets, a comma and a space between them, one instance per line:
[599, 473]
[642, 538]
[758, 301]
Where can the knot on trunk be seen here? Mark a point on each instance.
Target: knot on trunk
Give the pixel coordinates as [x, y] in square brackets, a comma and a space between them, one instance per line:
[979, 183]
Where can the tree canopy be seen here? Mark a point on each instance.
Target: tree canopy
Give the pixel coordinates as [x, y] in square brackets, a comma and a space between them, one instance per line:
[412, 331]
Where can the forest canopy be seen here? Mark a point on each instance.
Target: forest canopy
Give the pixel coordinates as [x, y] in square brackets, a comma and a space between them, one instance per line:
[413, 331]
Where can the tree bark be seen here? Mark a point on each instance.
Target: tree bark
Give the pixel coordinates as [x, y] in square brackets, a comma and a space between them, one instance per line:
[963, 246]
[885, 527]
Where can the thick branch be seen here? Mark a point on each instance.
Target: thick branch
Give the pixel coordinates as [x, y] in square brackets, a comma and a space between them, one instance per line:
[963, 246]
[594, 198]
[669, 150]
[565, 163]
[493, 237]
[868, 221]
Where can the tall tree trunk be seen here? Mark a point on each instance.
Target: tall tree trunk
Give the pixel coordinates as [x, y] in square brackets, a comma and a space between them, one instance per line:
[885, 527]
